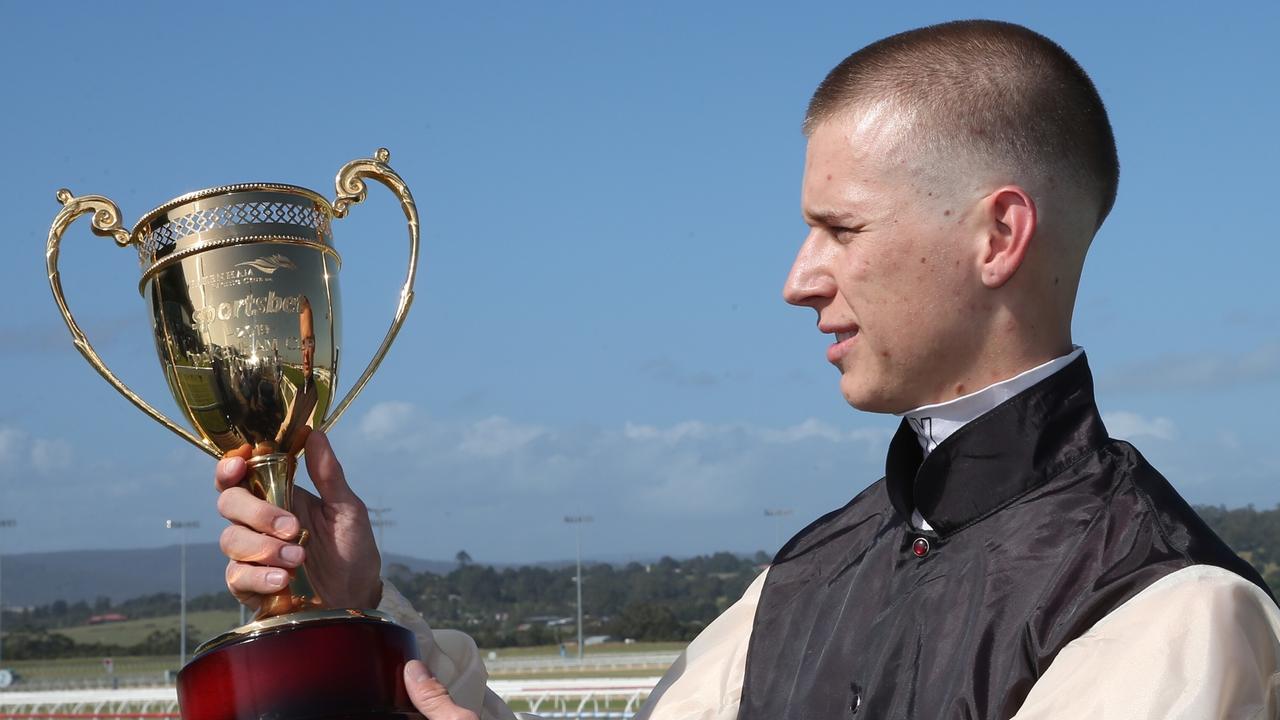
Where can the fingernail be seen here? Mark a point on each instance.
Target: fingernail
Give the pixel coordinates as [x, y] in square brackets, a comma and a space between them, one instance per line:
[275, 577]
[233, 464]
[418, 672]
[283, 524]
[291, 553]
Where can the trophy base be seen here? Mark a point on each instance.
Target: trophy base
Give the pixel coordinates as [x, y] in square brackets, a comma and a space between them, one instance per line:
[317, 665]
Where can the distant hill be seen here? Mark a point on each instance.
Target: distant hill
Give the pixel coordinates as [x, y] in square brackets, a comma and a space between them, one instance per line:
[43, 578]
[73, 575]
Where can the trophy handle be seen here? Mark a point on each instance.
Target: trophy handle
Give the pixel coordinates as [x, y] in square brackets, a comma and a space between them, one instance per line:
[352, 190]
[106, 222]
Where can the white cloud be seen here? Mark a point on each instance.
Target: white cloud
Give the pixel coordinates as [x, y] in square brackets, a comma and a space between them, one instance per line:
[1199, 371]
[499, 486]
[50, 456]
[12, 442]
[1127, 425]
[810, 429]
[20, 452]
[678, 475]
[813, 429]
[386, 421]
[498, 436]
[687, 430]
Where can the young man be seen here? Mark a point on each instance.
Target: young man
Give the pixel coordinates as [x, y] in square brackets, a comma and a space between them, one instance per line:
[1014, 561]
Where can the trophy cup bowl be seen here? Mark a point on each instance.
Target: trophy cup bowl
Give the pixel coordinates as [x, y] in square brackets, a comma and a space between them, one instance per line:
[241, 285]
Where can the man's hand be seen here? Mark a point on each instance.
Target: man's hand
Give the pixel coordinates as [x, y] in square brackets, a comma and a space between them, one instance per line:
[430, 697]
[342, 559]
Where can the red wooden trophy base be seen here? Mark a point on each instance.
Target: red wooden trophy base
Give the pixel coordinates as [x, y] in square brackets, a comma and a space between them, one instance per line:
[314, 669]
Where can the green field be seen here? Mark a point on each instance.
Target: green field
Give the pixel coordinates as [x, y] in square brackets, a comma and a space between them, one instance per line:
[209, 623]
[213, 622]
[606, 648]
[77, 668]
[206, 624]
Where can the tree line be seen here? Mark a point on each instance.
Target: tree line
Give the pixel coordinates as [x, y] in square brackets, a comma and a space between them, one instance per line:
[530, 605]
[664, 600]
[1254, 534]
[32, 634]
[535, 605]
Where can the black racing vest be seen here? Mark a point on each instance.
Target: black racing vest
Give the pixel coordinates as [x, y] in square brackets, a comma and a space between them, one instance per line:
[1041, 526]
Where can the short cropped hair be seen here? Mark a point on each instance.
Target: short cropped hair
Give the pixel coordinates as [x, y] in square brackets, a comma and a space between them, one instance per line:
[992, 89]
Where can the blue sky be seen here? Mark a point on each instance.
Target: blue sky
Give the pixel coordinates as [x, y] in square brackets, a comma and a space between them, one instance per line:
[610, 201]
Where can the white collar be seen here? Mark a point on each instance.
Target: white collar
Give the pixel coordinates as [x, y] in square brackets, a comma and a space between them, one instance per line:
[935, 423]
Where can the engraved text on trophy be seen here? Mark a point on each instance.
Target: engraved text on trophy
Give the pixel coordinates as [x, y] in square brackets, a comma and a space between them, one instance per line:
[248, 337]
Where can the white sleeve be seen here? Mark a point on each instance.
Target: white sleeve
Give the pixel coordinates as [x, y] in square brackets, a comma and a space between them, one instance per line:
[705, 683]
[1201, 643]
[451, 656]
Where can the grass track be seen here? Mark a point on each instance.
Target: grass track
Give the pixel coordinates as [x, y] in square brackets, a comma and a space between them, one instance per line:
[605, 648]
[212, 622]
[206, 623]
[74, 668]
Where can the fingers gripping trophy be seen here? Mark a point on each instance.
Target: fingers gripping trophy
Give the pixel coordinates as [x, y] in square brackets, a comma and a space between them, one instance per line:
[241, 284]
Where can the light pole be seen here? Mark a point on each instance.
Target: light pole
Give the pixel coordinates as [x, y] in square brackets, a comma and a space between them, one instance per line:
[576, 521]
[380, 522]
[182, 614]
[777, 514]
[3, 524]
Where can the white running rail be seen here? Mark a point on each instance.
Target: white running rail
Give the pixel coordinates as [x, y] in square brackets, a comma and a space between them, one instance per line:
[610, 661]
[572, 699]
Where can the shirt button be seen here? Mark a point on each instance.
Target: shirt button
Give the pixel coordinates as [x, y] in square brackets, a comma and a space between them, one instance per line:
[920, 547]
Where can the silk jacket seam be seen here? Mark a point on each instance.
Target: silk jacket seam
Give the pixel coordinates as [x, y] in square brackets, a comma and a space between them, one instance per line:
[1102, 511]
[1145, 497]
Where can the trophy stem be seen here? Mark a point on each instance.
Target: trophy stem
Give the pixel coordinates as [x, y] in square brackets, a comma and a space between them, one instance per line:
[271, 479]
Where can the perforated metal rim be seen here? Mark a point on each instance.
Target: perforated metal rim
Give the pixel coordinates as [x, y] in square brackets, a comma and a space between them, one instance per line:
[224, 190]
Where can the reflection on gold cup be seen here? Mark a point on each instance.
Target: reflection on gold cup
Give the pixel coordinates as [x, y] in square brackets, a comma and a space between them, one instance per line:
[241, 282]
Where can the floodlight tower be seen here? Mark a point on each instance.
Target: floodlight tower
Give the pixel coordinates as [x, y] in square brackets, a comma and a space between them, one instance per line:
[4, 523]
[576, 521]
[777, 514]
[381, 522]
[182, 613]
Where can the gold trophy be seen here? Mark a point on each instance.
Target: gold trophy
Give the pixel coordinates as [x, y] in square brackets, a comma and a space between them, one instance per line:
[241, 284]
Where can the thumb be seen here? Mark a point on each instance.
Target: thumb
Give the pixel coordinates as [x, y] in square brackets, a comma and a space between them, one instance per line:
[325, 471]
[430, 697]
